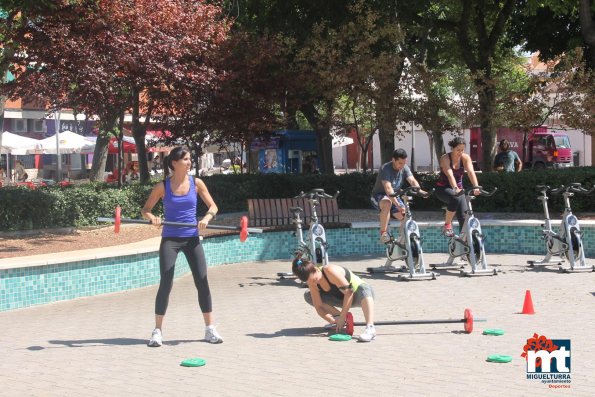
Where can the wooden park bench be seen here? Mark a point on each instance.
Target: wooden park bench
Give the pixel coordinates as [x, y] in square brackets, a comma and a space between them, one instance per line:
[274, 212]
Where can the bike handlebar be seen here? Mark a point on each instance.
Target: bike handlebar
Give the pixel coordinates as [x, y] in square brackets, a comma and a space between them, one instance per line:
[573, 188]
[413, 190]
[317, 193]
[481, 191]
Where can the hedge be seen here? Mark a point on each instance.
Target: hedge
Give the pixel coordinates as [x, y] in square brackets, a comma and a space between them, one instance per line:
[22, 208]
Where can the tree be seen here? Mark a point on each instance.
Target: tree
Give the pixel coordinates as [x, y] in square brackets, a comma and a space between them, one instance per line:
[241, 104]
[356, 113]
[553, 27]
[441, 101]
[565, 91]
[12, 14]
[477, 29]
[101, 56]
[308, 85]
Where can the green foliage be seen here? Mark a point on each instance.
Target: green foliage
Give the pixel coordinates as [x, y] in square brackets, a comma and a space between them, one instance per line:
[50, 207]
[77, 206]
[516, 191]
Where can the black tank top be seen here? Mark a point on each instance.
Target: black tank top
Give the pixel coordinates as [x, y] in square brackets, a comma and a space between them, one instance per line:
[334, 291]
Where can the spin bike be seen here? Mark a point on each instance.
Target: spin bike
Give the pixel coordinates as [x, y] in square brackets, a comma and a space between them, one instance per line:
[469, 244]
[315, 247]
[408, 246]
[568, 244]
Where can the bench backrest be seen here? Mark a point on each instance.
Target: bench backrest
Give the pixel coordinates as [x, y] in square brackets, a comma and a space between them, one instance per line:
[275, 211]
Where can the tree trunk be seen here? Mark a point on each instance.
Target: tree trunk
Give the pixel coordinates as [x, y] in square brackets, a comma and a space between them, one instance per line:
[139, 131]
[387, 121]
[291, 119]
[107, 124]
[487, 106]
[525, 142]
[197, 152]
[438, 140]
[386, 136]
[324, 139]
[588, 29]
[122, 169]
[99, 158]
[364, 158]
[325, 144]
[365, 151]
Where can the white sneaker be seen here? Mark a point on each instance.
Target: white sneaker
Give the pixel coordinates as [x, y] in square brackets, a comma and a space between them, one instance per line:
[369, 334]
[156, 338]
[384, 237]
[212, 336]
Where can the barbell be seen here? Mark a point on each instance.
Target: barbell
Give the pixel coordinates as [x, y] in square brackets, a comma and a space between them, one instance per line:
[467, 321]
[118, 220]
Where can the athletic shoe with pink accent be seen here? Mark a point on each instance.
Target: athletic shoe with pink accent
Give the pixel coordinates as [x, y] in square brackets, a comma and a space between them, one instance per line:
[448, 232]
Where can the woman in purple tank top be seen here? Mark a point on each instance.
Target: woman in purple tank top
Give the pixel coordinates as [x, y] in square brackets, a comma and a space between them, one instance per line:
[452, 168]
[179, 193]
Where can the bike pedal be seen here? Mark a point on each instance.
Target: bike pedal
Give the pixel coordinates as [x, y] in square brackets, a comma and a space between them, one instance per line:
[460, 240]
[397, 244]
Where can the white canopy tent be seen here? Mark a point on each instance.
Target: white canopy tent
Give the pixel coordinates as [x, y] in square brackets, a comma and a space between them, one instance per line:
[70, 142]
[17, 145]
[339, 141]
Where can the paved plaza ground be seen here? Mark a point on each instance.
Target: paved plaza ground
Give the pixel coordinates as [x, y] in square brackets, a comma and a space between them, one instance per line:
[276, 345]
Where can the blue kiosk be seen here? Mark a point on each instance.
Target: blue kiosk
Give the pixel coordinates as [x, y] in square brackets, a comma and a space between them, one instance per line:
[287, 151]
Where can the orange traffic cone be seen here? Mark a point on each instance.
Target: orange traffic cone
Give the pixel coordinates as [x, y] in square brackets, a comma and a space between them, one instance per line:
[528, 305]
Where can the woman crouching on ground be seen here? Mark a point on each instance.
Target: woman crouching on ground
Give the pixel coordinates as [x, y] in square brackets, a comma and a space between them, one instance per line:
[333, 286]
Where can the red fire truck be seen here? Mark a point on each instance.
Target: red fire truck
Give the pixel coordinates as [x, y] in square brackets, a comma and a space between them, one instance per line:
[543, 148]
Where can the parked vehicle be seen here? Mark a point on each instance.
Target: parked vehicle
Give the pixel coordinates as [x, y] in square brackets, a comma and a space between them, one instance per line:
[541, 149]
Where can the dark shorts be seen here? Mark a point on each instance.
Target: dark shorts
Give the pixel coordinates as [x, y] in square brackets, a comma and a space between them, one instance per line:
[393, 208]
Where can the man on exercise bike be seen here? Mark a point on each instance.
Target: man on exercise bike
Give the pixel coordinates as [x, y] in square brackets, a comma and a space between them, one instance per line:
[390, 179]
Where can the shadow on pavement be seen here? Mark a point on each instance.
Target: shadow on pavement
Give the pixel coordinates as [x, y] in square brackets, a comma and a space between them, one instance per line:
[543, 268]
[270, 281]
[108, 342]
[304, 331]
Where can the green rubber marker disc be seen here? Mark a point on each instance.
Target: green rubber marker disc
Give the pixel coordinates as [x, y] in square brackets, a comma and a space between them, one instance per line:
[498, 358]
[496, 332]
[339, 337]
[193, 362]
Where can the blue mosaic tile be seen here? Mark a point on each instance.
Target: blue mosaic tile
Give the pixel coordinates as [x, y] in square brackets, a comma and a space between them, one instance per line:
[36, 285]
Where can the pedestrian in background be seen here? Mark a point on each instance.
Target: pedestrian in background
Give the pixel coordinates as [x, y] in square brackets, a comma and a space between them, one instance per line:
[507, 160]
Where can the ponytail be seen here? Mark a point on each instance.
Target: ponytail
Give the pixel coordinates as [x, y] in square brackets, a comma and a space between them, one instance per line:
[166, 167]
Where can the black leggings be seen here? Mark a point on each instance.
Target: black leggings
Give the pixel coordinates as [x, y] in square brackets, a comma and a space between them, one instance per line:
[453, 203]
[168, 253]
